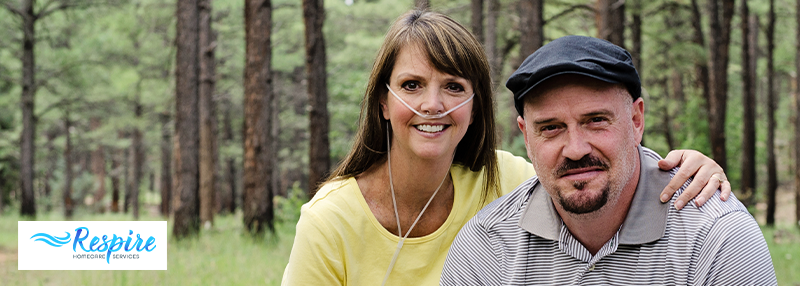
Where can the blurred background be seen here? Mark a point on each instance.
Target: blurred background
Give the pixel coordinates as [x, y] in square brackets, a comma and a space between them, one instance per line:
[222, 116]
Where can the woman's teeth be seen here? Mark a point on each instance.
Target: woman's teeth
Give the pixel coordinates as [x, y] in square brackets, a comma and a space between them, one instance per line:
[430, 128]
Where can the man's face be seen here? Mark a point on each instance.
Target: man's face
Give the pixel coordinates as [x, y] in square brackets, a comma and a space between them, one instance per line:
[581, 135]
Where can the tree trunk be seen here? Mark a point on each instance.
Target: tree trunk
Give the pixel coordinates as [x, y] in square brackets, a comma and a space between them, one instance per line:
[137, 154]
[27, 140]
[208, 136]
[68, 203]
[419, 4]
[718, 47]
[165, 182]
[99, 170]
[319, 149]
[636, 36]
[257, 193]
[772, 176]
[610, 21]
[797, 122]
[52, 164]
[230, 170]
[749, 106]
[701, 66]
[531, 28]
[493, 8]
[186, 203]
[477, 19]
[115, 167]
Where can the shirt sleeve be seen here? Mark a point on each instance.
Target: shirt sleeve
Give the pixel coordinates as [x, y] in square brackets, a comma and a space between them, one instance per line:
[736, 253]
[315, 259]
[472, 260]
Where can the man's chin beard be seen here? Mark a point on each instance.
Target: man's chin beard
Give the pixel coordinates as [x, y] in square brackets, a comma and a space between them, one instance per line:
[584, 206]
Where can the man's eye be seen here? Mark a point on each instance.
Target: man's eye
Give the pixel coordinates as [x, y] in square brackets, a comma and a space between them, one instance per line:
[597, 119]
[548, 128]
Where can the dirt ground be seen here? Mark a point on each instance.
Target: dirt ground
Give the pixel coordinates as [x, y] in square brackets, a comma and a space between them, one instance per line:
[784, 209]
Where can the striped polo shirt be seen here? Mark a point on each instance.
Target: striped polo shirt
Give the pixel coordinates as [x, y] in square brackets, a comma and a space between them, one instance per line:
[520, 239]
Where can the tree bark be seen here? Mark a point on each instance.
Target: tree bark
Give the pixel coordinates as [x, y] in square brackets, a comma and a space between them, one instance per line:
[319, 146]
[257, 192]
[718, 47]
[636, 36]
[230, 170]
[165, 182]
[610, 21]
[531, 28]
[137, 157]
[493, 8]
[115, 167]
[99, 169]
[208, 136]
[797, 121]
[748, 105]
[701, 66]
[772, 176]
[52, 164]
[67, 195]
[186, 203]
[477, 19]
[27, 140]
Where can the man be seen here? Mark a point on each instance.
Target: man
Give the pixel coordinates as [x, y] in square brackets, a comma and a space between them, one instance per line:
[590, 217]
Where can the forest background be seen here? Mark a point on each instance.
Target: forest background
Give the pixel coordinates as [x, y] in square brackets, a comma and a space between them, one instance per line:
[144, 109]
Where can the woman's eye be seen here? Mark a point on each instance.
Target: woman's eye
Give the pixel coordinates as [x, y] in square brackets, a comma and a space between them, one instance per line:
[454, 87]
[410, 85]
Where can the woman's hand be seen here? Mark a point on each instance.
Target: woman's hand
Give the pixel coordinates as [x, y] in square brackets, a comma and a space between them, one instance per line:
[708, 177]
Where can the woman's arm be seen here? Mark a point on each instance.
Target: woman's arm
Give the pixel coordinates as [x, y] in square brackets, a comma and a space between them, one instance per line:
[708, 177]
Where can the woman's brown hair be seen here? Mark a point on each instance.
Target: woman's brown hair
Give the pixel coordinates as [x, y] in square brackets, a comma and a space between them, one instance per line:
[451, 49]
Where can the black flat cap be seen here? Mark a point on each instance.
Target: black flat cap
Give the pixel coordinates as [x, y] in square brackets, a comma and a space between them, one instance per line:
[580, 55]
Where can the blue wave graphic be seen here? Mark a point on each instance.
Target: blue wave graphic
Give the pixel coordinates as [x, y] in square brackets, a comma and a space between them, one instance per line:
[51, 240]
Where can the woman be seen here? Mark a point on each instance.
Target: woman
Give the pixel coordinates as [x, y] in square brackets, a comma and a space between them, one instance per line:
[422, 164]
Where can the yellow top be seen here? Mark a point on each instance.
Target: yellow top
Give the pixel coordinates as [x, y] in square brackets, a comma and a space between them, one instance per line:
[340, 242]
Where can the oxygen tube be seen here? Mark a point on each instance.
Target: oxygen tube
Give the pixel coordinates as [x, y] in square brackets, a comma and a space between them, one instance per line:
[394, 202]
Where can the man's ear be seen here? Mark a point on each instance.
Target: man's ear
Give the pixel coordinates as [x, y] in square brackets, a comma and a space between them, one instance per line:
[522, 128]
[638, 119]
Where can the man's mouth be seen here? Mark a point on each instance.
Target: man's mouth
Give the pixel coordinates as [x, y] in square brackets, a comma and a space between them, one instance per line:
[430, 128]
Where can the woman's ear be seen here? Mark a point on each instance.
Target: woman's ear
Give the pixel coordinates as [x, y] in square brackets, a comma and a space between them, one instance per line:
[384, 108]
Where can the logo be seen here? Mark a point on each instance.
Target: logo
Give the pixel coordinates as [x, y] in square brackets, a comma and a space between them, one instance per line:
[94, 245]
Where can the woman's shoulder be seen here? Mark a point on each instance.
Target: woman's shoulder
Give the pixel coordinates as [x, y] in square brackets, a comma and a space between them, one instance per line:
[333, 194]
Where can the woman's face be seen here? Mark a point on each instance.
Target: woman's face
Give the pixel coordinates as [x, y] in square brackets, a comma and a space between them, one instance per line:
[429, 92]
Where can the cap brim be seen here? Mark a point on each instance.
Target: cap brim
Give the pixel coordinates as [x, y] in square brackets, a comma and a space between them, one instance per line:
[526, 91]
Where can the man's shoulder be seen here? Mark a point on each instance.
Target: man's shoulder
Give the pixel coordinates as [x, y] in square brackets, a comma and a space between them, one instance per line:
[507, 208]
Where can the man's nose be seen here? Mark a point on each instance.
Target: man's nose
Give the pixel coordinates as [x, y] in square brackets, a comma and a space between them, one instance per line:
[576, 146]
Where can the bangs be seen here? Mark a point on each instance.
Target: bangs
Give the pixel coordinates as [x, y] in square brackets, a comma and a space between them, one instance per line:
[448, 48]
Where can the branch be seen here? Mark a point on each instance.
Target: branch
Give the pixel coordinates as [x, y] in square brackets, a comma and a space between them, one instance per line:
[13, 10]
[668, 7]
[570, 10]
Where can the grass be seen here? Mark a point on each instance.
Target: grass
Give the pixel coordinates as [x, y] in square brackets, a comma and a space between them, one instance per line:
[784, 247]
[225, 255]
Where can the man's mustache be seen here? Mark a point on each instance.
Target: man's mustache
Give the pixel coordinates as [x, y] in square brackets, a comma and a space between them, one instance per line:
[585, 162]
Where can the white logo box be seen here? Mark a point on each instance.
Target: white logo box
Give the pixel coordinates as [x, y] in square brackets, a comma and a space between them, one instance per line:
[48, 245]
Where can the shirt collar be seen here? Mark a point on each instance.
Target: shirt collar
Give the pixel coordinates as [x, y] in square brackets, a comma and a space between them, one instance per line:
[647, 216]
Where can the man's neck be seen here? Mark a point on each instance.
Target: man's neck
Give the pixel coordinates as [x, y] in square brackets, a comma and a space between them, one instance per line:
[594, 229]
